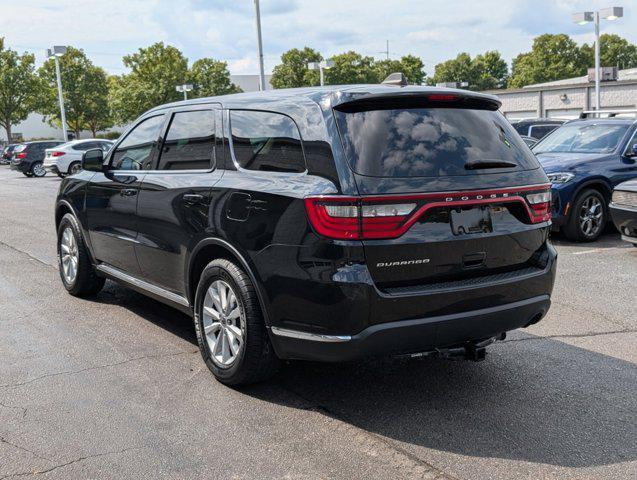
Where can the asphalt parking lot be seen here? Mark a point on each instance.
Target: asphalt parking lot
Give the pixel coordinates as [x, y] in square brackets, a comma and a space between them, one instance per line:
[114, 387]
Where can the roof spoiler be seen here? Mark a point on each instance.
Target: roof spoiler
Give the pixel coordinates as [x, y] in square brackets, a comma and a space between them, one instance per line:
[397, 79]
[400, 99]
[610, 113]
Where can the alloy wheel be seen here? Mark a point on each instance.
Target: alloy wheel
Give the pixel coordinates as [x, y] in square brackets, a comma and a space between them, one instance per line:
[223, 323]
[69, 255]
[590, 216]
[75, 168]
[38, 170]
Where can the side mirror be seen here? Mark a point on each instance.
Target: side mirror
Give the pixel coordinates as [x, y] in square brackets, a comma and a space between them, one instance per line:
[93, 160]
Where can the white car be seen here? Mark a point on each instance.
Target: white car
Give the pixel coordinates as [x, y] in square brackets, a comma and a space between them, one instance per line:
[66, 159]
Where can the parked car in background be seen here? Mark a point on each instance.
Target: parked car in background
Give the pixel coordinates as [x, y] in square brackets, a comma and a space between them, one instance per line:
[5, 158]
[530, 141]
[28, 157]
[623, 210]
[585, 159]
[66, 159]
[536, 128]
[326, 223]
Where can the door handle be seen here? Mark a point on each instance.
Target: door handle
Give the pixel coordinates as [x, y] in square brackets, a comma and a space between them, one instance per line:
[192, 198]
[128, 192]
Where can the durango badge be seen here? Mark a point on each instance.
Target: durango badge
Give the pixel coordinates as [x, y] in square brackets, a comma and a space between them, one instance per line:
[402, 263]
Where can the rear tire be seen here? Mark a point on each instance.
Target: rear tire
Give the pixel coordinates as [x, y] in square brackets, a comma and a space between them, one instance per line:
[588, 216]
[37, 170]
[254, 359]
[74, 168]
[76, 270]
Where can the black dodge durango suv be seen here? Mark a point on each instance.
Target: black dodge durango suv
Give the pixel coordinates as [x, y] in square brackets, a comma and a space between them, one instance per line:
[326, 223]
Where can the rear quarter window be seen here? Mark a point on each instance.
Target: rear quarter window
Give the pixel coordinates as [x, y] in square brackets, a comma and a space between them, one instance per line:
[266, 141]
[429, 142]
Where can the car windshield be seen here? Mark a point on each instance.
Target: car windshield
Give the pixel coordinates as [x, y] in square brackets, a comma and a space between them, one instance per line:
[582, 138]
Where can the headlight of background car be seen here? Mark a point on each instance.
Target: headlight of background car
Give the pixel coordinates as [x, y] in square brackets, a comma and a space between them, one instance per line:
[561, 177]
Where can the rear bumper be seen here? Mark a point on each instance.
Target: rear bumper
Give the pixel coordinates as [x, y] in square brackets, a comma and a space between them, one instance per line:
[625, 219]
[411, 336]
[21, 167]
[53, 168]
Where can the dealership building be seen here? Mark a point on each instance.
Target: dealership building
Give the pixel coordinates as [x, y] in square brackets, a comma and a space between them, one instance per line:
[566, 99]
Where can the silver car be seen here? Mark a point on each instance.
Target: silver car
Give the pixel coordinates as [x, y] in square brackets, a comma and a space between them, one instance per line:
[66, 159]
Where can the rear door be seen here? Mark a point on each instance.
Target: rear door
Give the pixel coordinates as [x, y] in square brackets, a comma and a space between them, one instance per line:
[444, 185]
[174, 197]
[111, 197]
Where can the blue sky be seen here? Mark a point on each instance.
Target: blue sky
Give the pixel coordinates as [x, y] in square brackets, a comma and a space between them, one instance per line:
[435, 30]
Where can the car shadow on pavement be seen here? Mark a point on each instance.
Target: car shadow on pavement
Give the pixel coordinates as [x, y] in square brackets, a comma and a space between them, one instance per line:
[533, 399]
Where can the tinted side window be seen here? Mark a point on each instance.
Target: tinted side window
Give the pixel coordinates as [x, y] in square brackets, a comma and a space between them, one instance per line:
[266, 141]
[190, 141]
[539, 131]
[85, 146]
[135, 152]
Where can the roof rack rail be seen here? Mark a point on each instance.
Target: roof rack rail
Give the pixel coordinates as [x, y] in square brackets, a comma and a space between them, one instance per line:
[397, 79]
[610, 113]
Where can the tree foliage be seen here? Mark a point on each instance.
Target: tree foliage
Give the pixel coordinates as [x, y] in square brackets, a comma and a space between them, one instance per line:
[211, 77]
[484, 72]
[85, 90]
[350, 68]
[293, 72]
[155, 72]
[552, 57]
[19, 87]
[614, 51]
[410, 65]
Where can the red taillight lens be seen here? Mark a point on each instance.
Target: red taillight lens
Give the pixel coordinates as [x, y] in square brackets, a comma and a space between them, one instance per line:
[442, 97]
[351, 218]
[540, 203]
[21, 155]
[57, 154]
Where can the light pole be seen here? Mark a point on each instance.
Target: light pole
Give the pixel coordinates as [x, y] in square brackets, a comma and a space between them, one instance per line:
[321, 66]
[186, 87]
[582, 18]
[259, 46]
[56, 52]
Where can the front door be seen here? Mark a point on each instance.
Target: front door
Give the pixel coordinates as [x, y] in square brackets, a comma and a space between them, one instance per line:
[111, 197]
[174, 198]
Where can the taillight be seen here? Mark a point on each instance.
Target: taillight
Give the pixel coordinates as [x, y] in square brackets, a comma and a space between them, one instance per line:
[442, 97]
[355, 218]
[21, 155]
[365, 218]
[540, 203]
[57, 154]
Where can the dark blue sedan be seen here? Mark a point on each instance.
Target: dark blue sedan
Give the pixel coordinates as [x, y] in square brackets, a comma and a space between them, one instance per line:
[585, 159]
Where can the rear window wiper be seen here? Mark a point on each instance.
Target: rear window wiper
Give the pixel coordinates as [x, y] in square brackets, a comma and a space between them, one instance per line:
[478, 164]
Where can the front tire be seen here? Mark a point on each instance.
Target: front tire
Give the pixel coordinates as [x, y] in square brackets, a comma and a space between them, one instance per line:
[76, 271]
[588, 217]
[231, 331]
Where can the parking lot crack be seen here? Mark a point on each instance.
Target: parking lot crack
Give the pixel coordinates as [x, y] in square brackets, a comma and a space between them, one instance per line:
[66, 464]
[98, 367]
[575, 335]
[15, 249]
[24, 449]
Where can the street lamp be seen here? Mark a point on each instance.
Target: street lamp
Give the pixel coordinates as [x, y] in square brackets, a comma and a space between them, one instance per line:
[321, 66]
[582, 18]
[259, 46]
[186, 87]
[55, 52]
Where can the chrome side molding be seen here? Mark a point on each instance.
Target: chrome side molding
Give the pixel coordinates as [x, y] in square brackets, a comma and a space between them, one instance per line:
[149, 287]
[314, 337]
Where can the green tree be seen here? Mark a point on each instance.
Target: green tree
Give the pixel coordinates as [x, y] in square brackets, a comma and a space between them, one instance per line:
[552, 57]
[410, 65]
[351, 68]
[614, 51]
[459, 69]
[97, 115]
[19, 87]
[84, 88]
[293, 72]
[155, 71]
[211, 77]
[490, 71]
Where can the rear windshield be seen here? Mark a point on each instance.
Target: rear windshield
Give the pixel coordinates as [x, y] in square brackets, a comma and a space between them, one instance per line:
[430, 142]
